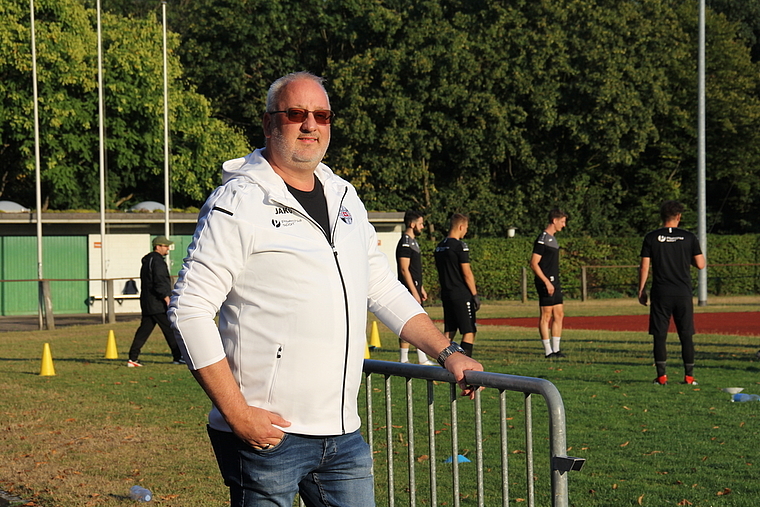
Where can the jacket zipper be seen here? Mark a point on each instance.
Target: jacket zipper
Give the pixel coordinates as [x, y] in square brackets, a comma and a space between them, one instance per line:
[278, 356]
[331, 241]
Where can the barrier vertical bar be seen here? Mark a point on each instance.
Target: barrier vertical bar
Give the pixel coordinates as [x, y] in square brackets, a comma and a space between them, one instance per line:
[504, 448]
[479, 449]
[454, 444]
[410, 444]
[370, 425]
[529, 449]
[389, 439]
[431, 442]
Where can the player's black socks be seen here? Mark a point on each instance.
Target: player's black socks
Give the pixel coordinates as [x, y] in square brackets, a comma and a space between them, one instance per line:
[467, 349]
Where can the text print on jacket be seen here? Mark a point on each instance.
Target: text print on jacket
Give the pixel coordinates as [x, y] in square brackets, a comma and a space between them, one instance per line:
[292, 307]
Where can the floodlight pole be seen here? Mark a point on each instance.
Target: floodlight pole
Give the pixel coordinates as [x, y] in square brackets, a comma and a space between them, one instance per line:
[102, 150]
[37, 177]
[166, 128]
[701, 199]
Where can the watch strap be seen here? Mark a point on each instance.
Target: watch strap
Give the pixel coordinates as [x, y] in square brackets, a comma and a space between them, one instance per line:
[445, 353]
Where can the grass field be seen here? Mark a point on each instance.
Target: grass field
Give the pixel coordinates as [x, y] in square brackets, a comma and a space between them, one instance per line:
[84, 436]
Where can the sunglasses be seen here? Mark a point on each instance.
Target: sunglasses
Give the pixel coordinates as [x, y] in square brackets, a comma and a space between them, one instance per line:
[297, 115]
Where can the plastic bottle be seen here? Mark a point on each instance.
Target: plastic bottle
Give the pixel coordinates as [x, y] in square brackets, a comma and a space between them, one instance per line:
[745, 397]
[140, 494]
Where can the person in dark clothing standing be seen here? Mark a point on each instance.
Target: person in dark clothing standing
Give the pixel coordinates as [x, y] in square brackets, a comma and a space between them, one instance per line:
[545, 265]
[409, 267]
[154, 298]
[670, 251]
[459, 293]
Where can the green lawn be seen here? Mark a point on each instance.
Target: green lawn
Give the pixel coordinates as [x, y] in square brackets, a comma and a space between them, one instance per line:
[84, 436]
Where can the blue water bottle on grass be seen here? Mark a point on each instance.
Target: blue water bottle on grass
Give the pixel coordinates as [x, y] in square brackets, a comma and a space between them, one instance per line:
[745, 397]
[140, 494]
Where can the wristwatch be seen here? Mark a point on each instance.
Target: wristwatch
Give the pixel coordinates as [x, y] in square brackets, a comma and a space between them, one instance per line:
[445, 353]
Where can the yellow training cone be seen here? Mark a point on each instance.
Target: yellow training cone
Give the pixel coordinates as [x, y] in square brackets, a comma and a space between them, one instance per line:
[47, 369]
[374, 337]
[366, 351]
[111, 352]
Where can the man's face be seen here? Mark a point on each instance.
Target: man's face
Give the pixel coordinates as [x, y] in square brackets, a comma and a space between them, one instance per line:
[418, 225]
[559, 223]
[297, 146]
[162, 249]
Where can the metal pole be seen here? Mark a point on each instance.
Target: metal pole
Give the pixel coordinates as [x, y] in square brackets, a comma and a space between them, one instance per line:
[166, 130]
[701, 200]
[102, 161]
[37, 182]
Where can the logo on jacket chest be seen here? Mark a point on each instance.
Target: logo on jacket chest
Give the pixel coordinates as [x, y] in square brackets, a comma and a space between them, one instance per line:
[345, 215]
[280, 217]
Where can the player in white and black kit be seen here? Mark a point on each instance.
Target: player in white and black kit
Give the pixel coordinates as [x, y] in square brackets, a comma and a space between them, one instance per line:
[409, 266]
[459, 294]
[545, 265]
[670, 251]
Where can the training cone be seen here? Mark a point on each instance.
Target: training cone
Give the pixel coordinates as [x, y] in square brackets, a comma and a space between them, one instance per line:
[47, 369]
[366, 350]
[111, 352]
[374, 337]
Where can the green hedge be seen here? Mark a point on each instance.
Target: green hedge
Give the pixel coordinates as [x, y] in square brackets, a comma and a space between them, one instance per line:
[498, 262]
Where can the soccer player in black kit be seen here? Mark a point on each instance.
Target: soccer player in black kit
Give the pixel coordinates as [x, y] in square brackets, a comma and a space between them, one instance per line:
[409, 266]
[670, 251]
[459, 294]
[545, 265]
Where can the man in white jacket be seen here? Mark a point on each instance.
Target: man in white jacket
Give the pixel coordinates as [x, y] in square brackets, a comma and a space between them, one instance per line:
[286, 256]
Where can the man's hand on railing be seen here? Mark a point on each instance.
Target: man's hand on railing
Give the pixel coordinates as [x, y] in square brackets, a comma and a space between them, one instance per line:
[458, 364]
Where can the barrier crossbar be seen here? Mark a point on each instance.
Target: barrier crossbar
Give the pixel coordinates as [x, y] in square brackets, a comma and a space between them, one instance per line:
[559, 462]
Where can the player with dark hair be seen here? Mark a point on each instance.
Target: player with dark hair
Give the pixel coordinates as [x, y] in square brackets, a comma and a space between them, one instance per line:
[670, 251]
[409, 266]
[545, 265]
[459, 293]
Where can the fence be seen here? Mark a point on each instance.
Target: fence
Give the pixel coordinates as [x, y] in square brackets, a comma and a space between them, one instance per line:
[558, 462]
[742, 278]
[46, 311]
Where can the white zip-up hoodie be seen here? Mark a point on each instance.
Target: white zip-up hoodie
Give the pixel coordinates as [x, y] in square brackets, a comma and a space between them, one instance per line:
[292, 307]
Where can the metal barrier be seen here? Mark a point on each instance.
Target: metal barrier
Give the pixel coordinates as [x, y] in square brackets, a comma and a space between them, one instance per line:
[559, 463]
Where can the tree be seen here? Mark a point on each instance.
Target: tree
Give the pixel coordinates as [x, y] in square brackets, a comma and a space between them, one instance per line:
[133, 86]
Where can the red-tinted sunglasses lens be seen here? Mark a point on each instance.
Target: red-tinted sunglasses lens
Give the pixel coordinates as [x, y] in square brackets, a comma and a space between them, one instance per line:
[321, 116]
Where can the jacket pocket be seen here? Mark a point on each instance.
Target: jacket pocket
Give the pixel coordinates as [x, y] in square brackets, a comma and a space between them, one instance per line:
[275, 370]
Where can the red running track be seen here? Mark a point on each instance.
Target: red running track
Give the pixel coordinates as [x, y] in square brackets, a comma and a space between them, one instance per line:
[731, 323]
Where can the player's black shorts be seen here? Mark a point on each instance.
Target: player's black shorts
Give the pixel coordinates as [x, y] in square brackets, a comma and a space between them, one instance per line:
[682, 310]
[544, 299]
[458, 314]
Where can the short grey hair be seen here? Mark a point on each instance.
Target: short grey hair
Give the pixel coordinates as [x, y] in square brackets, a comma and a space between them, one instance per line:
[276, 88]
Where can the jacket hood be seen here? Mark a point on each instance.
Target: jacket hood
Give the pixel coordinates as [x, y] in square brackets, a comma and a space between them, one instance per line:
[255, 168]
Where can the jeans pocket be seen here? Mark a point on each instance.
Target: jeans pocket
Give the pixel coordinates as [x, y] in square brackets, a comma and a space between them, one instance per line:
[272, 448]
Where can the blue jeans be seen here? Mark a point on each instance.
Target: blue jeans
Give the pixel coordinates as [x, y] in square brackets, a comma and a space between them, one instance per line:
[325, 471]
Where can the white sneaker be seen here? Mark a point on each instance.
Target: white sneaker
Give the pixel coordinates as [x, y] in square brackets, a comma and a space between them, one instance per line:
[133, 364]
[430, 363]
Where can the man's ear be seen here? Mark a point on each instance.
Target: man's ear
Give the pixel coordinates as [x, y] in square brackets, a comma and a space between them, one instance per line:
[266, 123]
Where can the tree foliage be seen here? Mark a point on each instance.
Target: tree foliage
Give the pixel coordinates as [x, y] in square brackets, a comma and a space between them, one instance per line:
[499, 110]
[68, 111]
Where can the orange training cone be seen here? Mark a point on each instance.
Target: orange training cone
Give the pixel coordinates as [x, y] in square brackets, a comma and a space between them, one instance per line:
[111, 352]
[47, 369]
[374, 337]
